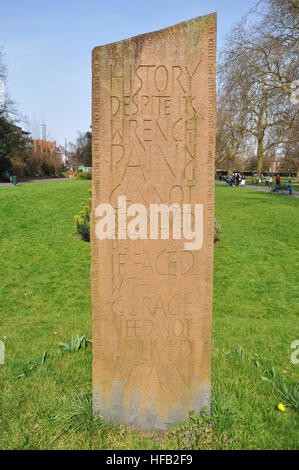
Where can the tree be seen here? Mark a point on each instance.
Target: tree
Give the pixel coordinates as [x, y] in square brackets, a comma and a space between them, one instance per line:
[256, 68]
[82, 153]
[251, 163]
[230, 129]
[3, 69]
[7, 109]
[290, 160]
[275, 40]
[12, 144]
[87, 152]
[288, 165]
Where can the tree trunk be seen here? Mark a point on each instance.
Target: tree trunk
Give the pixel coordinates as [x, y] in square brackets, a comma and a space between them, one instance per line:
[228, 166]
[260, 157]
[260, 137]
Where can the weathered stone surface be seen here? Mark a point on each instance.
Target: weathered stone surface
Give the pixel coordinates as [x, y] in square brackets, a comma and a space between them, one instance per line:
[153, 141]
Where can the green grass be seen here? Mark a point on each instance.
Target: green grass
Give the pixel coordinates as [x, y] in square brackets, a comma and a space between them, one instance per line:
[45, 400]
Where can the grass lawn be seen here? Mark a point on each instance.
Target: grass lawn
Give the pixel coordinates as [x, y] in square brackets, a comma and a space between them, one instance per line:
[45, 401]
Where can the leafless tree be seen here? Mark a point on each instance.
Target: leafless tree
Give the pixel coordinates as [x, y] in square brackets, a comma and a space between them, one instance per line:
[274, 40]
[231, 127]
[3, 69]
[290, 160]
[258, 70]
[7, 109]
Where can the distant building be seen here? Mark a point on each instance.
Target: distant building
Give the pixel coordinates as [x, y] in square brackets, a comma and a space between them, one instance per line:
[62, 153]
[26, 137]
[44, 146]
[275, 166]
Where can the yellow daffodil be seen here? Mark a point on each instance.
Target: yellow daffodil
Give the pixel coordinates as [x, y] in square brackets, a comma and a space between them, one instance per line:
[281, 407]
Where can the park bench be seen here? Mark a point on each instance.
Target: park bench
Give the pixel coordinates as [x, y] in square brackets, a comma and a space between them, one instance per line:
[280, 189]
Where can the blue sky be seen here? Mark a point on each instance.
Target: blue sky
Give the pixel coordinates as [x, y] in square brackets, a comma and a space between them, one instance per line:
[48, 48]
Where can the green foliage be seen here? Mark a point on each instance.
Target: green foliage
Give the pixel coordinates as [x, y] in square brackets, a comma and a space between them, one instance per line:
[289, 393]
[11, 144]
[15, 156]
[83, 220]
[75, 343]
[20, 161]
[83, 175]
[75, 415]
[25, 368]
[48, 167]
[240, 352]
[87, 150]
[43, 164]
[217, 231]
[45, 275]
[84, 148]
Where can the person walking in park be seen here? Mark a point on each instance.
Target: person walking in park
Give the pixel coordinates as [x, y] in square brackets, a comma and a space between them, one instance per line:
[267, 182]
[270, 181]
[252, 179]
[277, 182]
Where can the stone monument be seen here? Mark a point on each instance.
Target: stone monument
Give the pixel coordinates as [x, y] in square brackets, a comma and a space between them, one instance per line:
[153, 126]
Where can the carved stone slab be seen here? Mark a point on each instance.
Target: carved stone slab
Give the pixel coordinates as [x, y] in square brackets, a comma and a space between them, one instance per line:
[153, 125]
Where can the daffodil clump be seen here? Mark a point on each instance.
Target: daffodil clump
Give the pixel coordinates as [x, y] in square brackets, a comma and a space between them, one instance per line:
[82, 220]
[83, 175]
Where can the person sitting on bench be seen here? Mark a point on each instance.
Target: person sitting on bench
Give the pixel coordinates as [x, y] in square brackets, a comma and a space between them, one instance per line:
[289, 187]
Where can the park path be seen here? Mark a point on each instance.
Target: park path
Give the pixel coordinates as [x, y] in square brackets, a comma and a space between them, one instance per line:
[47, 180]
[51, 180]
[257, 188]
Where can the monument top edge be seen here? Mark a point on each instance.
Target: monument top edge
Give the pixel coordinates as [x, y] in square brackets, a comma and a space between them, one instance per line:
[205, 20]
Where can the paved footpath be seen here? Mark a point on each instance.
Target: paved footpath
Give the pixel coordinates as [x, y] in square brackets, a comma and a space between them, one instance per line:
[48, 180]
[257, 188]
[52, 180]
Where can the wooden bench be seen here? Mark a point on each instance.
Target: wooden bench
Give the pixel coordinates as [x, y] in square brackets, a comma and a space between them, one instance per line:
[279, 189]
